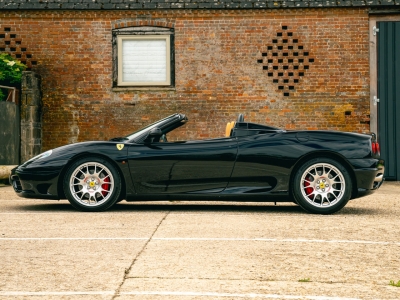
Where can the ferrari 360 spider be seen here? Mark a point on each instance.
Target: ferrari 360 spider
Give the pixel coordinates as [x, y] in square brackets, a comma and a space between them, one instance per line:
[319, 170]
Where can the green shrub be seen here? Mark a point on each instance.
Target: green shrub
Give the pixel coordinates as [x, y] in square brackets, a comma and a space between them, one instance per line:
[10, 72]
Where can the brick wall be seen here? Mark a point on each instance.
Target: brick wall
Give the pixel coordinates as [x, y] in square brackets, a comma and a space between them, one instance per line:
[222, 69]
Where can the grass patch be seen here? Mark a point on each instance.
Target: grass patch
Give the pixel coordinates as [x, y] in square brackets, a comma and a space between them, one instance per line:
[392, 283]
[307, 280]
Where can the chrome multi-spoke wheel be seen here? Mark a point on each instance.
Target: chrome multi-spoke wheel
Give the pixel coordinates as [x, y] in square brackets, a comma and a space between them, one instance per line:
[322, 186]
[92, 184]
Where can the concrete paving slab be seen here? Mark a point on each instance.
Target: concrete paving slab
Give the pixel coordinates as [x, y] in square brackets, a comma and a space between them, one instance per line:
[56, 295]
[270, 268]
[7, 192]
[79, 225]
[261, 224]
[190, 288]
[66, 265]
[275, 261]
[199, 250]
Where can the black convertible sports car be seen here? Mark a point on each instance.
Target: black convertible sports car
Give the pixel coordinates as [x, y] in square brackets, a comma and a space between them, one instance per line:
[318, 170]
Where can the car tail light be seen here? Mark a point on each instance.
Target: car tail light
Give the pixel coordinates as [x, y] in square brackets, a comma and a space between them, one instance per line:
[376, 150]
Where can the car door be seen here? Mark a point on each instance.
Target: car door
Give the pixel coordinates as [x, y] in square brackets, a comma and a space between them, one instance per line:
[170, 168]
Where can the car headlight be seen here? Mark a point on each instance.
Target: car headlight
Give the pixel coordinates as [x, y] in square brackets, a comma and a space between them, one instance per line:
[40, 156]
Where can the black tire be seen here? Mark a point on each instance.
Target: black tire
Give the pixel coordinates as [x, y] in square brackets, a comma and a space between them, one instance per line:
[92, 184]
[322, 186]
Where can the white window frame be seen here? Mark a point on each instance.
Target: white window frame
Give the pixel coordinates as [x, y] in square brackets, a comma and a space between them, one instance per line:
[167, 38]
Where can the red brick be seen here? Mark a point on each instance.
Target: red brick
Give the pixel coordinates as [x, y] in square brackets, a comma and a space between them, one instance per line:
[217, 74]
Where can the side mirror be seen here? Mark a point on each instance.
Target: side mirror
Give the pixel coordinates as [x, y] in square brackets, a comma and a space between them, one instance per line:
[153, 136]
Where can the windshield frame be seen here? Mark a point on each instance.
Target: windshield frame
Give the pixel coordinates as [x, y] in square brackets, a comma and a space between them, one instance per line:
[139, 135]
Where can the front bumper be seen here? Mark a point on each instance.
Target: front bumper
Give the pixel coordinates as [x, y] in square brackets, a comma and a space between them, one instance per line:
[31, 185]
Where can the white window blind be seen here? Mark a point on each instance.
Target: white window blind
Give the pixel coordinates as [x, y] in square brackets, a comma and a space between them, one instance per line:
[144, 60]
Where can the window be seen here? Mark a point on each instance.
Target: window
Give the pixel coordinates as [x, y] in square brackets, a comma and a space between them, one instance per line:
[144, 60]
[143, 57]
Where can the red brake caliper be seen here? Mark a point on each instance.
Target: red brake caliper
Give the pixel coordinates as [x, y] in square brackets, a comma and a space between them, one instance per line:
[105, 186]
[308, 187]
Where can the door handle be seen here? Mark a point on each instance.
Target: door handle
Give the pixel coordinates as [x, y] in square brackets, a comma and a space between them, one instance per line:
[376, 100]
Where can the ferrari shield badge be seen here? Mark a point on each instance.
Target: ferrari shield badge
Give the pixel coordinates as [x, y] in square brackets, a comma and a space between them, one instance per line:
[120, 146]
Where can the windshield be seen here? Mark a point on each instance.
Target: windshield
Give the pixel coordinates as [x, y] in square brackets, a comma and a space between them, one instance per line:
[140, 132]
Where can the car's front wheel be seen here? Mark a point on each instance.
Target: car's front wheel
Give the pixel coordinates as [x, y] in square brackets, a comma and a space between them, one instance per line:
[92, 184]
[322, 186]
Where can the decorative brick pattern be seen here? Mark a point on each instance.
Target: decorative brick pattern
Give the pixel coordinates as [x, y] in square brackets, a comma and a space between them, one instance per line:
[217, 75]
[285, 60]
[11, 43]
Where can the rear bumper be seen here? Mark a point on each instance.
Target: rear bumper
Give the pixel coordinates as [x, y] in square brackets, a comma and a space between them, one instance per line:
[364, 192]
[370, 179]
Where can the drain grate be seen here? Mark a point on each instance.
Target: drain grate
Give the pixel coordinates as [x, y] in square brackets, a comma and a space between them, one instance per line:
[285, 60]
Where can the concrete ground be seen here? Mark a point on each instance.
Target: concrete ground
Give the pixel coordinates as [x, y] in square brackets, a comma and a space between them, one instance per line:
[199, 250]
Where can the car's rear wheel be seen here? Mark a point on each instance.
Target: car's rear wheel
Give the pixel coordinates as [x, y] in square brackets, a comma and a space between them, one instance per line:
[92, 184]
[322, 186]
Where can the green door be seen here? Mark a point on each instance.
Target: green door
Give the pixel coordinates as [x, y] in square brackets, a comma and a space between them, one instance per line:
[388, 41]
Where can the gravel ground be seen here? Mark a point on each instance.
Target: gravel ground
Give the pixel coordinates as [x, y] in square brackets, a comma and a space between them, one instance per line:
[199, 250]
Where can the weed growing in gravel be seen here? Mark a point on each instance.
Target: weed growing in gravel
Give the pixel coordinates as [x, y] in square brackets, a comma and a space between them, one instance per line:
[304, 280]
[392, 283]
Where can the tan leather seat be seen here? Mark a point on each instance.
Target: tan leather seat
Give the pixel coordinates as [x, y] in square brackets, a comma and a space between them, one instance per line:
[229, 127]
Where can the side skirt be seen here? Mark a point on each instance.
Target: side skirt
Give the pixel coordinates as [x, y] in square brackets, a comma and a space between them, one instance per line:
[213, 197]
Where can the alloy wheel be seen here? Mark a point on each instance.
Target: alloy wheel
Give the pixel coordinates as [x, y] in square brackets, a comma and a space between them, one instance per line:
[322, 185]
[91, 184]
